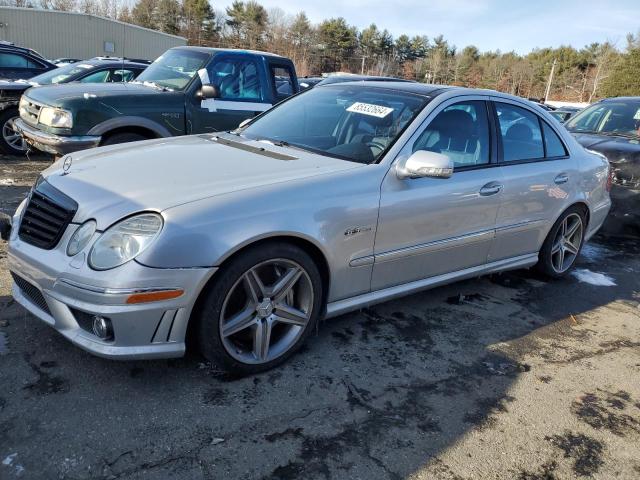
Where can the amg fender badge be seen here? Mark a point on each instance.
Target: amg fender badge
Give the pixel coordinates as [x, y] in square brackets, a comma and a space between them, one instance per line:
[355, 230]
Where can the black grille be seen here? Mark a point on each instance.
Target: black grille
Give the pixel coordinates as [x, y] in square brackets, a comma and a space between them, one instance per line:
[46, 216]
[31, 292]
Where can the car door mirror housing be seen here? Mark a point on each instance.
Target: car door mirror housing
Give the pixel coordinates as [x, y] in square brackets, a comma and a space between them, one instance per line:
[425, 164]
[209, 90]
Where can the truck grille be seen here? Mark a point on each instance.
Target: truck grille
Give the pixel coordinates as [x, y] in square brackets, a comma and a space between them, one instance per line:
[46, 216]
[32, 292]
[29, 110]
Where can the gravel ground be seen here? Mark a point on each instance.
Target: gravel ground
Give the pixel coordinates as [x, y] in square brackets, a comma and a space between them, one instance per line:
[509, 376]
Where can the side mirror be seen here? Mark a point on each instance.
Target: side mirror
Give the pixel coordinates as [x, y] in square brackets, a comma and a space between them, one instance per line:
[209, 90]
[425, 164]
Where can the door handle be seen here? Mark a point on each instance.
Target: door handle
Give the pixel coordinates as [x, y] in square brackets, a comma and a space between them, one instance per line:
[562, 178]
[491, 188]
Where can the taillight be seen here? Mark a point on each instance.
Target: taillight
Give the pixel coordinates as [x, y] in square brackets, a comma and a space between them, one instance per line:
[610, 178]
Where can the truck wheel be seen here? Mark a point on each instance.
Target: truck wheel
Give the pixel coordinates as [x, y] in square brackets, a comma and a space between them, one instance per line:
[124, 137]
[260, 308]
[11, 142]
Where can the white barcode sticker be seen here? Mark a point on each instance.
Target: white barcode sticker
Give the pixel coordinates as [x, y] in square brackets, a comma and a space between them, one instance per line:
[370, 109]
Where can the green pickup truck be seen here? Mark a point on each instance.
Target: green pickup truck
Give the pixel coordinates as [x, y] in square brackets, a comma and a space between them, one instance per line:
[187, 90]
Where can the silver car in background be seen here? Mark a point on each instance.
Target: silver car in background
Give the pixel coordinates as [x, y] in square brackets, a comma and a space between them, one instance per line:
[338, 198]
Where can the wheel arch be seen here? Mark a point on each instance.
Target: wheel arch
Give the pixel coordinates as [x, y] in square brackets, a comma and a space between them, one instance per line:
[310, 247]
[130, 124]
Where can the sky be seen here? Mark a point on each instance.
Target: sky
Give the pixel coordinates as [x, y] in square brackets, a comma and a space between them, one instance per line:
[488, 24]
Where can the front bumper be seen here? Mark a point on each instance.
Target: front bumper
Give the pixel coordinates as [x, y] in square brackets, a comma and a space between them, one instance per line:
[67, 292]
[55, 144]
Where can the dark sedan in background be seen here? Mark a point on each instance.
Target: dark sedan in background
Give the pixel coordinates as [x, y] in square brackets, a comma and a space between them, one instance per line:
[612, 128]
[18, 62]
[97, 70]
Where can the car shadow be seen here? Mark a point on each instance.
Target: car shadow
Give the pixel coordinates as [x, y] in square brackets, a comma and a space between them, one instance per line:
[377, 393]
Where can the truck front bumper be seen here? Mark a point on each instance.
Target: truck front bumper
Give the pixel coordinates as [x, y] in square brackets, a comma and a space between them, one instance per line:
[55, 144]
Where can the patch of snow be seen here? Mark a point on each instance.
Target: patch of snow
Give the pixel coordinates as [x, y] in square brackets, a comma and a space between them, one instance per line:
[9, 459]
[7, 181]
[593, 278]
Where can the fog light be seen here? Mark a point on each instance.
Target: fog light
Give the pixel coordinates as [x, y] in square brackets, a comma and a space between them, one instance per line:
[102, 327]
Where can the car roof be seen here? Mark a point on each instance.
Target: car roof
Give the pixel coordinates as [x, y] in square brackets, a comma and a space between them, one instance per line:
[617, 99]
[110, 61]
[10, 47]
[211, 50]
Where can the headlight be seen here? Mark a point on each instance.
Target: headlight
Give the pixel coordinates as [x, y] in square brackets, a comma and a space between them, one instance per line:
[124, 241]
[22, 107]
[81, 237]
[55, 117]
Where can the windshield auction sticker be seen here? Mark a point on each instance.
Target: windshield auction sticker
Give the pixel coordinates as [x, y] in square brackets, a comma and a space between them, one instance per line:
[370, 109]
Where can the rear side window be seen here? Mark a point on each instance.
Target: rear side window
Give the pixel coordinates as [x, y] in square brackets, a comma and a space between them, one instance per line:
[236, 79]
[520, 131]
[553, 144]
[11, 60]
[96, 77]
[282, 78]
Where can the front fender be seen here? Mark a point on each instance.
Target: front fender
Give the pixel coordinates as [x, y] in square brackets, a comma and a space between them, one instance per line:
[131, 121]
[337, 213]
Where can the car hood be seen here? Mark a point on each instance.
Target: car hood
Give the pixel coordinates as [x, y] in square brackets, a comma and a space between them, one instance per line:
[616, 149]
[19, 85]
[61, 95]
[111, 182]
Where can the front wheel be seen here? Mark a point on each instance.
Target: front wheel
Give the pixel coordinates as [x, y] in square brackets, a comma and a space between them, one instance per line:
[563, 244]
[260, 308]
[11, 142]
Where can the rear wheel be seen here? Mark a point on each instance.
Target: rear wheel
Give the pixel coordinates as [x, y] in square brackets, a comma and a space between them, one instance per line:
[260, 308]
[124, 137]
[563, 244]
[11, 142]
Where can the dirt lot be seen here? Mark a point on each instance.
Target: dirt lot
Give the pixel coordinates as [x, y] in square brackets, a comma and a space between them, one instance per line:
[508, 376]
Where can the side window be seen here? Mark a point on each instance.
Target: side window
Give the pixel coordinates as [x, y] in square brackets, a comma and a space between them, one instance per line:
[553, 144]
[96, 77]
[121, 75]
[236, 79]
[283, 81]
[461, 132]
[10, 60]
[520, 130]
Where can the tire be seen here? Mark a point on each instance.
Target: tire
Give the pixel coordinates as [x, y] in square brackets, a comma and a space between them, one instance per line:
[560, 250]
[259, 310]
[10, 141]
[124, 137]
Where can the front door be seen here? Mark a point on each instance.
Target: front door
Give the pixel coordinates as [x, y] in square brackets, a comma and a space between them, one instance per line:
[432, 226]
[242, 94]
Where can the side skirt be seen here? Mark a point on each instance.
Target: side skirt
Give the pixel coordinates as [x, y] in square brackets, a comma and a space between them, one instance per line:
[367, 299]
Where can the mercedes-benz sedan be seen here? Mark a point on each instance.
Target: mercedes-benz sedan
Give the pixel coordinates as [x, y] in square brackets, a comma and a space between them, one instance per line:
[345, 196]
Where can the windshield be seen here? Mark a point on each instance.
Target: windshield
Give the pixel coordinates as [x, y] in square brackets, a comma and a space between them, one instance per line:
[62, 74]
[174, 69]
[614, 117]
[354, 123]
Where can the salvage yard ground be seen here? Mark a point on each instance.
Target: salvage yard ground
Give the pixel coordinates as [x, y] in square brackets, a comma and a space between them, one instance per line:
[509, 376]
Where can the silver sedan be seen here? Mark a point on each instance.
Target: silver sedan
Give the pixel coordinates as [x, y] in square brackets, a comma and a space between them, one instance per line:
[341, 197]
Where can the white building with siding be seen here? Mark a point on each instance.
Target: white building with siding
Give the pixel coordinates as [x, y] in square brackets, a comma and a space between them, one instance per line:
[76, 35]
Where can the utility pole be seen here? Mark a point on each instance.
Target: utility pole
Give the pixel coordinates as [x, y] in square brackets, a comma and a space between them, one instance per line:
[553, 69]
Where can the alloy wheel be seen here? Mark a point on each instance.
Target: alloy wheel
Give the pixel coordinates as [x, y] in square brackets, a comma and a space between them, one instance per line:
[12, 137]
[266, 311]
[567, 242]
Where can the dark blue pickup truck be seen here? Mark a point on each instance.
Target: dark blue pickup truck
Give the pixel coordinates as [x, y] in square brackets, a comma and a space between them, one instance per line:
[187, 90]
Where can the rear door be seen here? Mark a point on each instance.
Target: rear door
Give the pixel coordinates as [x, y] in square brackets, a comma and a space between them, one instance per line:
[539, 177]
[243, 93]
[14, 66]
[432, 226]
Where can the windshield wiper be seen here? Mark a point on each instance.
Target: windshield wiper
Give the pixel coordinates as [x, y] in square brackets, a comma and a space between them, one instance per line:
[147, 83]
[620, 134]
